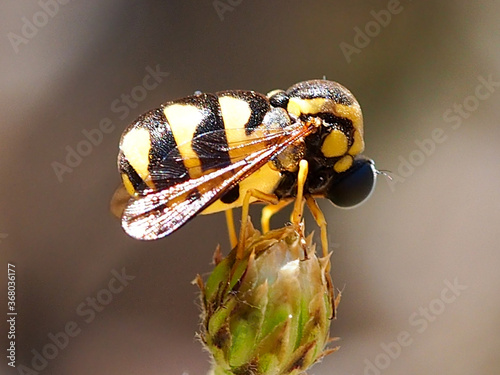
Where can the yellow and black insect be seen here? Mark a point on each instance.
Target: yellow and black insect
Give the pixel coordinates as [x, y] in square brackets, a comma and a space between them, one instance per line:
[212, 152]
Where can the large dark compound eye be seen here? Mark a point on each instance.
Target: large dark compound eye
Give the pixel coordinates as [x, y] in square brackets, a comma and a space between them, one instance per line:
[352, 187]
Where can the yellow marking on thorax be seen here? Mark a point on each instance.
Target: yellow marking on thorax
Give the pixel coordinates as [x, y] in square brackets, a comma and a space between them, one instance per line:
[358, 145]
[351, 112]
[265, 179]
[343, 164]
[335, 144]
[135, 146]
[297, 106]
[183, 120]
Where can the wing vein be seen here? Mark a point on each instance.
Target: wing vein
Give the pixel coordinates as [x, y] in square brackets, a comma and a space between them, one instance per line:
[158, 214]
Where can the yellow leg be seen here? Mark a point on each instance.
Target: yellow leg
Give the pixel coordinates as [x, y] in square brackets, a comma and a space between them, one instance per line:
[298, 208]
[268, 198]
[233, 239]
[270, 210]
[320, 220]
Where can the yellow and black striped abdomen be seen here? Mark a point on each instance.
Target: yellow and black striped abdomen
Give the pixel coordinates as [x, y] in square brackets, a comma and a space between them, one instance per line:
[190, 137]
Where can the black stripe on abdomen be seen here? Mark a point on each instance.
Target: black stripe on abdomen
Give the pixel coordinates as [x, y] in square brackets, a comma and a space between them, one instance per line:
[137, 182]
[165, 163]
[209, 139]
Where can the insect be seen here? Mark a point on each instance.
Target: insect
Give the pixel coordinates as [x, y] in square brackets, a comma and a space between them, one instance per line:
[208, 153]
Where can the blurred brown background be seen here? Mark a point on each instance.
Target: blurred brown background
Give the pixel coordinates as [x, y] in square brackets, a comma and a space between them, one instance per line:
[431, 118]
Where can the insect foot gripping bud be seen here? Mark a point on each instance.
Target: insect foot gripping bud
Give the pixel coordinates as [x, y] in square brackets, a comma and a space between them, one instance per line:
[270, 312]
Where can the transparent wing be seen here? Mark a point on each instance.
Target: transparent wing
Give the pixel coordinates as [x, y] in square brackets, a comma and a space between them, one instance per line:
[119, 201]
[216, 150]
[158, 214]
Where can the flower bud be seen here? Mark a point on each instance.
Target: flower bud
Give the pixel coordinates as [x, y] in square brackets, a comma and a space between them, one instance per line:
[268, 313]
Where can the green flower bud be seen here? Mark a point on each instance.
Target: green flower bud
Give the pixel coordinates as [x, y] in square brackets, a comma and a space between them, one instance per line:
[268, 313]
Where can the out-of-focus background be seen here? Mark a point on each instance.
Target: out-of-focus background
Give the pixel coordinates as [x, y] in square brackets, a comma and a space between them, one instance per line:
[417, 264]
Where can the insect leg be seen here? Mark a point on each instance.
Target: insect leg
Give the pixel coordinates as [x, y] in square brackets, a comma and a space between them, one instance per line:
[233, 239]
[270, 210]
[268, 198]
[298, 207]
[320, 220]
